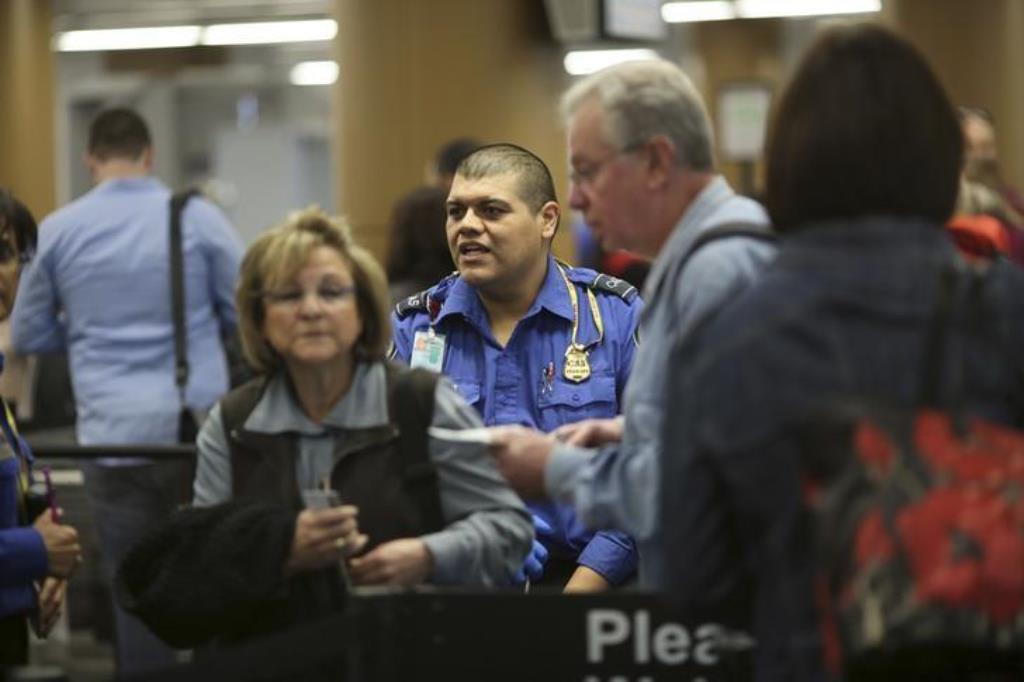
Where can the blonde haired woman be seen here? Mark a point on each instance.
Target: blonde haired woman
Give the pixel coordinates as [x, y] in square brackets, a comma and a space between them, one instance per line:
[325, 407]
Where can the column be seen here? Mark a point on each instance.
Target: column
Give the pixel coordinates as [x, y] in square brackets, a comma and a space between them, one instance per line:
[977, 51]
[416, 74]
[27, 103]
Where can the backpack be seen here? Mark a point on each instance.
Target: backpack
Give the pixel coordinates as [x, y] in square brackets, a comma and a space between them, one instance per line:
[920, 520]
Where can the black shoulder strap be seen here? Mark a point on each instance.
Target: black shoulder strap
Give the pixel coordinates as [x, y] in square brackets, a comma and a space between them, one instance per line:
[725, 231]
[238, 404]
[412, 401]
[181, 369]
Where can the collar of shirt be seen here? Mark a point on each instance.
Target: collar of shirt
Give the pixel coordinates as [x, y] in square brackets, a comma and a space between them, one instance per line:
[139, 183]
[686, 230]
[364, 406]
[463, 300]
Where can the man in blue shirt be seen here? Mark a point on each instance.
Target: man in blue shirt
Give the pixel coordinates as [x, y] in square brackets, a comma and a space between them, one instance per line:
[526, 339]
[100, 285]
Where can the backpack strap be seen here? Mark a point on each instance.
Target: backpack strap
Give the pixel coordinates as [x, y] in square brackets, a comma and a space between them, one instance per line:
[181, 369]
[726, 231]
[756, 231]
[237, 405]
[411, 402]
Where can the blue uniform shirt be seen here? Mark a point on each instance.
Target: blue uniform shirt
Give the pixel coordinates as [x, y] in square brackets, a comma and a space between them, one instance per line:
[22, 551]
[523, 382]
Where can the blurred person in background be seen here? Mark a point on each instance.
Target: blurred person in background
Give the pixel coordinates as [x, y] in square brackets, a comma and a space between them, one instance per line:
[100, 288]
[981, 224]
[37, 552]
[981, 158]
[418, 251]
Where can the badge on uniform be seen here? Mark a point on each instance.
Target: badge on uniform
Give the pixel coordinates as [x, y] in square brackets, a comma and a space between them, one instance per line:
[427, 350]
[577, 367]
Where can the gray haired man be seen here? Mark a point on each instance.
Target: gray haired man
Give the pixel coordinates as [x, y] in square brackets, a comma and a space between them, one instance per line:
[640, 146]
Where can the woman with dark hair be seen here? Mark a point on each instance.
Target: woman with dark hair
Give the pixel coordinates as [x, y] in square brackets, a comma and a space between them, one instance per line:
[862, 168]
[37, 552]
[418, 257]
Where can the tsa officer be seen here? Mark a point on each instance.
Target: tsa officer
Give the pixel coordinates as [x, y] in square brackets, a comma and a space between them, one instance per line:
[526, 339]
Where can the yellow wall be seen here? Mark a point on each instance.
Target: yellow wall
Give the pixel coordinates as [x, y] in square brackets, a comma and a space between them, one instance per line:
[27, 103]
[977, 48]
[414, 74]
[737, 51]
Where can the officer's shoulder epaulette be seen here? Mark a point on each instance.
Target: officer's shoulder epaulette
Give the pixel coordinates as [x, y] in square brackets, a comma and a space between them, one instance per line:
[601, 282]
[421, 301]
[412, 304]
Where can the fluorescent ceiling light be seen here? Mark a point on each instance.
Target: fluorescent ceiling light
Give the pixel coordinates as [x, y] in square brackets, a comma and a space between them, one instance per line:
[128, 38]
[755, 9]
[717, 10]
[270, 32]
[582, 62]
[314, 73]
[710, 10]
[253, 33]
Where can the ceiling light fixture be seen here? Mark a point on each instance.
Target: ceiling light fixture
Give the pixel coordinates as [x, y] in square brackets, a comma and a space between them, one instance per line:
[582, 62]
[314, 73]
[718, 10]
[128, 38]
[757, 9]
[156, 37]
[686, 12]
[266, 32]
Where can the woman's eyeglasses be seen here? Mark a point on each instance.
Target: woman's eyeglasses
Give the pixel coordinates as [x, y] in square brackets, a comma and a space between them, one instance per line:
[326, 296]
[9, 251]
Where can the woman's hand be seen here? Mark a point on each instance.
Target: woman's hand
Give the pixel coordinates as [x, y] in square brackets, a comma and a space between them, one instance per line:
[63, 552]
[402, 562]
[323, 538]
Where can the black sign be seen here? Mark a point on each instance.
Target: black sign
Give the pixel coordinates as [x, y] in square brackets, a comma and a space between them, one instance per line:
[456, 636]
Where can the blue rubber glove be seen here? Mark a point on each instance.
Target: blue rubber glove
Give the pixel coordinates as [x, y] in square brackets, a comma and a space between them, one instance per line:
[533, 568]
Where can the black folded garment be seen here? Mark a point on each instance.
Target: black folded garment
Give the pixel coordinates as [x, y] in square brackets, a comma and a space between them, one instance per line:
[215, 574]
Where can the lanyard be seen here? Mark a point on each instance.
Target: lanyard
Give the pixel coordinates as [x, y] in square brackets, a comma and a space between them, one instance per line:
[594, 311]
[10, 434]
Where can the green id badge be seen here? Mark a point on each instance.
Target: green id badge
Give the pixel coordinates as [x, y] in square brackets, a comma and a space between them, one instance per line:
[427, 351]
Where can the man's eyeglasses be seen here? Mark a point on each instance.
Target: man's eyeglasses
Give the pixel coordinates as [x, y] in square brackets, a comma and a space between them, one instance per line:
[585, 172]
[326, 296]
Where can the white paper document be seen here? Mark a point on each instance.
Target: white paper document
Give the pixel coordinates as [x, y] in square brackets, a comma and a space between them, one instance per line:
[481, 435]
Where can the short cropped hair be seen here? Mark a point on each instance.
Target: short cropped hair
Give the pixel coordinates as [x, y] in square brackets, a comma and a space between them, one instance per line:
[536, 186]
[643, 99]
[864, 128]
[276, 257]
[118, 134]
[16, 217]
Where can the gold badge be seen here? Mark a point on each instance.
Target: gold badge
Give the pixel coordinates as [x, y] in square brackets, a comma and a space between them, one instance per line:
[577, 368]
